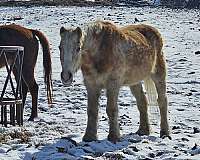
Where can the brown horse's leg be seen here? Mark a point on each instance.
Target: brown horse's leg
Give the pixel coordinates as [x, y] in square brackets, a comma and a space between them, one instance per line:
[159, 79]
[112, 111]
[92, 112]
[29, 79]
[24, 92]
[142, 105]
[34, 93]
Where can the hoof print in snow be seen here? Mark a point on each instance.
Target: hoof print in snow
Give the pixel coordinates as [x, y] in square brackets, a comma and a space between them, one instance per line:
[152, 155]
[184, 139]
[196, 130]
[197, 52]
[195, 147]
[159, 154]
[180, 109]
[182, 60]
[191, 72]
[175, 155]
[135, 149]
[176, 127]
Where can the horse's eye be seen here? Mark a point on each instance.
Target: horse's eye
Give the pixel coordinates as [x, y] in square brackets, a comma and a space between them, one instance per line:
[78, 49]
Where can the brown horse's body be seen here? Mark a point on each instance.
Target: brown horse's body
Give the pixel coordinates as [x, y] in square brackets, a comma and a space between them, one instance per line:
[19, 36]
[111, 57]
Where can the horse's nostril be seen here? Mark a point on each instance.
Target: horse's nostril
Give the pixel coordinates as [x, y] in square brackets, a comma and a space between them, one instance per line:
[62, 77]
[70, 75]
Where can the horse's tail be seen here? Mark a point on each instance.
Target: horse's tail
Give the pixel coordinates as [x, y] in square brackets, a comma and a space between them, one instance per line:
[46, 62]
[151, 91]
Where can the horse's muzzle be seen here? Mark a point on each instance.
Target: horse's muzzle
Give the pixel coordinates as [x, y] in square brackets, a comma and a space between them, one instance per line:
[67, 78]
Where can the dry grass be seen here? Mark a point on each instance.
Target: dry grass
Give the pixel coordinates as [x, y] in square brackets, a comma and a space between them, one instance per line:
[22, 136]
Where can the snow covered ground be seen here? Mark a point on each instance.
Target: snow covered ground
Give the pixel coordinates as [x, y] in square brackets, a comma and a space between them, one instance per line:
[57, 132]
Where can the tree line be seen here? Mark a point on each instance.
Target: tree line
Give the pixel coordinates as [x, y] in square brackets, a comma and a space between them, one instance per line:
[181, 3]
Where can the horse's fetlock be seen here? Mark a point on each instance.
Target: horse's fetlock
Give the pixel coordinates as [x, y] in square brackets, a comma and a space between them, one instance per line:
[165, 133]
[144, 130]
[114, 137]
[88, 137]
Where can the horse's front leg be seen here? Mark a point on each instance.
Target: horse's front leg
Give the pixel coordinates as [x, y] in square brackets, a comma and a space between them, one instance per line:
[112, 111]
[93, 93]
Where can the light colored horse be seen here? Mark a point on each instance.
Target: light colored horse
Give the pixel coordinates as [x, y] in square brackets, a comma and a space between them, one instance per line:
[111, 57]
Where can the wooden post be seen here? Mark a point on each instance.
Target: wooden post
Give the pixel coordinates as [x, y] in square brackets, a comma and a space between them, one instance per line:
[19, 114]
[2, 116]
[5, 115]
[12, 114]
[16, 101]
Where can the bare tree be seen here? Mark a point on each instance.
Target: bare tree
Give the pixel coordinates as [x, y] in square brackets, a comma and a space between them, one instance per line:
[193, 4]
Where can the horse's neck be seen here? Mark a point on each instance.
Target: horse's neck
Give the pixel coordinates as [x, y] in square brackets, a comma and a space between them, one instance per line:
[88, 43]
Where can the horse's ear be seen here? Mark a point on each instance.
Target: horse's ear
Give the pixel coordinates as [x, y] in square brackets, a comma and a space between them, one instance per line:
[79, 31]
[62, 29]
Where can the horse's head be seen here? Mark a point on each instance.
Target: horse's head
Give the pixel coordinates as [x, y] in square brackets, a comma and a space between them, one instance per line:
[70, 45]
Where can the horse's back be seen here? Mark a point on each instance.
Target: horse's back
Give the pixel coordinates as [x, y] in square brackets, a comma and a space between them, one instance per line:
[135, 36]
[150, 33]
[14, 35]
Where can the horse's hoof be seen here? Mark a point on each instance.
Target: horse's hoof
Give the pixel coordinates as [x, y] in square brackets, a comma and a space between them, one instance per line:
[165, 134]
[113, 138]
[142, 132]
[89, 138]
[31, 119]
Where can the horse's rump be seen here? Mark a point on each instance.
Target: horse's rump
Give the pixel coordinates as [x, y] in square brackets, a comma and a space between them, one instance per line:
[13, 30]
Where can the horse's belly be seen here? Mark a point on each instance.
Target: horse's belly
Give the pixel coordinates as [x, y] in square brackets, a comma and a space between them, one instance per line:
[135, 75]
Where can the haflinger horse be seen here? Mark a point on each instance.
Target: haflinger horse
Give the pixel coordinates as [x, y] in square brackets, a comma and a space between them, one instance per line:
[111, 57]
[16, 35]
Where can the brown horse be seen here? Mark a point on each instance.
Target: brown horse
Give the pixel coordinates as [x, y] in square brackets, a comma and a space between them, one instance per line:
[19, 36]
[111, 57]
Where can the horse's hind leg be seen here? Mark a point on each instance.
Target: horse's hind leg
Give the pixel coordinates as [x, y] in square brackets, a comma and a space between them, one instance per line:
[142, 105]
[93, 92]
[33, 88]
[159, 79]
[112, 111]
[24, 91]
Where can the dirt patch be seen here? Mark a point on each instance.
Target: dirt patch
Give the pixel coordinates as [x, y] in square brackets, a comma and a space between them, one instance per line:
[22, 136]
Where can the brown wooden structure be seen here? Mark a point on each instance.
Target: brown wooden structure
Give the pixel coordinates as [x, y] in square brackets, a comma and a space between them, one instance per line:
[13, 102]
